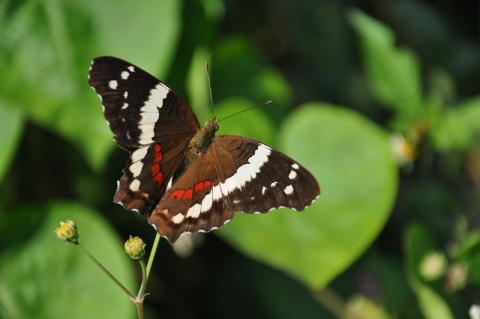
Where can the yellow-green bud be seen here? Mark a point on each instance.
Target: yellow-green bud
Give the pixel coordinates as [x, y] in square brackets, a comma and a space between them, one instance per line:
[433, 266]
[67, 231]
[135, 247]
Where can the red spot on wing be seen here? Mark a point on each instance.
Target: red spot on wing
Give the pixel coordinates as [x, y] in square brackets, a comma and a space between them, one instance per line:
[158, 153]
[156, 170]
[188, 193]
[159, 179]
[178, 194]
[201, 185]
[198, 187]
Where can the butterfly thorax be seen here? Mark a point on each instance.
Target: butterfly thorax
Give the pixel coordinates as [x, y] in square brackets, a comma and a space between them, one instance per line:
[202, 140]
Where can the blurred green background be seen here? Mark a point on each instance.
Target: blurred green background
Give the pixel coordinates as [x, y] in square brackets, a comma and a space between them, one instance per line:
[379, 99]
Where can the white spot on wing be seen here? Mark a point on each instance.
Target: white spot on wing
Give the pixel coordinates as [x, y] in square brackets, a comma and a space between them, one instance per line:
[177, 219]
[217, 194]
[292, 174]
[125, 75]
[169, 184]
[264, 189]
[288, 190]
[207, 203]
[244, 174]
[113, 84]
[137, 157]
[134, 185]
[150, 113]
[125, 95]
[136, 168]
[273, 184]
[124, 106]
[295, 166]
[131, 68]
[194, 211]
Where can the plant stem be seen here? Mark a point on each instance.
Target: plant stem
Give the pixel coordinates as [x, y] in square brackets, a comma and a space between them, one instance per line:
[141, 292]
[125, 290]
[145, 272]
[138, 300]
[152, 254]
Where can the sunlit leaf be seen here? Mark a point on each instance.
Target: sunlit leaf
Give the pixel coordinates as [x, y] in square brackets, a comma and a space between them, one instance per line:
[351, 159]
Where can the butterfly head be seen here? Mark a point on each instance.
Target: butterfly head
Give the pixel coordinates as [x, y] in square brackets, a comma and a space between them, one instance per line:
[201, 141]
[212, 126]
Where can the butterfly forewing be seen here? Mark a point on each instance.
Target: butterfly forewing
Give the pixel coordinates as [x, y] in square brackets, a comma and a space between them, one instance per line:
[266, 179]
[152, 122]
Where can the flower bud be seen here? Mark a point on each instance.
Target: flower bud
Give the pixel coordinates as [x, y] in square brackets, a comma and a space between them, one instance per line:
[67, 231]
[135, 247]
[403, 150]
[433, 266]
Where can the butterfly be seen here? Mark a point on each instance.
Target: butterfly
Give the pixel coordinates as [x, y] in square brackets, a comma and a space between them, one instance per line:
[180, 175]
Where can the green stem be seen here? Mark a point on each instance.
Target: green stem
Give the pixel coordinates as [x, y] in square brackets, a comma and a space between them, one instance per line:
[145, 272]
[152, 255]
[125, 290]
[141, 292]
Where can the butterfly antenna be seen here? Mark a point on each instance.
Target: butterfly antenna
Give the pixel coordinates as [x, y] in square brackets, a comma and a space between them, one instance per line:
[209, 87]
[255, 106]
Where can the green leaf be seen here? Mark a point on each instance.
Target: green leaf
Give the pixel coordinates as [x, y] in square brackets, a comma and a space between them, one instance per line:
[47, 47]
[393, 73]
[417, 243]
[350, 156]
[43, 277]
[431, 304]
[11, 125]
[458, 127]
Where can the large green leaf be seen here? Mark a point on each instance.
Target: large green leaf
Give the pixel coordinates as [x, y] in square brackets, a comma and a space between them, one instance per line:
[43, 277]
[45, 54]
[350, 156]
